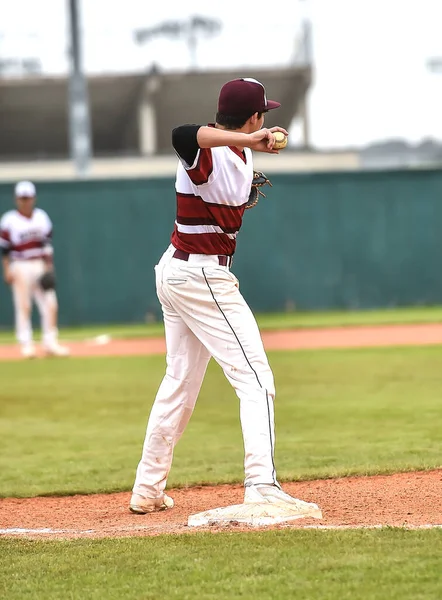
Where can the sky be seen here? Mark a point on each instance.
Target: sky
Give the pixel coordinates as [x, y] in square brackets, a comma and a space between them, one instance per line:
[371, 79]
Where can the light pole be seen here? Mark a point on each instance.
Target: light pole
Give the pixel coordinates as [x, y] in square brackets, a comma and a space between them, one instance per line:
[306, 60]
[434, 64]
[191, 30]
[78, 102]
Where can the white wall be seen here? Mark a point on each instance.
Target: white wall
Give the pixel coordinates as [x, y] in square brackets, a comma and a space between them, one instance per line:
[166, 166]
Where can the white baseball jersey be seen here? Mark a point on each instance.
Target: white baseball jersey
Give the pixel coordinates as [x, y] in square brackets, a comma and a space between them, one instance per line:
[25, 238]
[211, 197]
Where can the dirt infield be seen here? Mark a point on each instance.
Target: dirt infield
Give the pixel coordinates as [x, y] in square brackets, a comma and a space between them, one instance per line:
[296, 339]
[403, 500]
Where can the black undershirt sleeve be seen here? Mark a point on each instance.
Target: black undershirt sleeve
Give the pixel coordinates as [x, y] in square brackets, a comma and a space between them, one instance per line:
[185, 143]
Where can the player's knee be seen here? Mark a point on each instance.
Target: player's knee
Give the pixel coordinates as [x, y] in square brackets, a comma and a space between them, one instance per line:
[25, 309]
[271, 391]
[51, 299]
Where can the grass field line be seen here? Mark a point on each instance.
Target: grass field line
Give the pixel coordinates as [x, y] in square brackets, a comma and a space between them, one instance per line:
[45, 531]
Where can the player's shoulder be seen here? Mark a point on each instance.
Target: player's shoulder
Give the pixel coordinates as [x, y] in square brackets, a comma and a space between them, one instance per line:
[186, 126]
[39, 212]
[41, 215]
[7, 218]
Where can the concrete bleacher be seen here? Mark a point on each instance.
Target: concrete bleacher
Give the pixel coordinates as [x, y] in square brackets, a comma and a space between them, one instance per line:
[34, 115]
[192, 97]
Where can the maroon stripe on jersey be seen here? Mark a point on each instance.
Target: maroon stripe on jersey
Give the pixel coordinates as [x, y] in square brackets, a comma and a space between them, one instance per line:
[190, 201]
[204, 167]
[192, 210]
[203, 243]
[5, 235]
[198, 221]
[27, 246]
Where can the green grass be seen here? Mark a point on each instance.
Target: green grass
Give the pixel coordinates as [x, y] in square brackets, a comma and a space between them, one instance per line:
[432, 314]
[78, 425]
[390, 564]
[290, 320]
[82, 333]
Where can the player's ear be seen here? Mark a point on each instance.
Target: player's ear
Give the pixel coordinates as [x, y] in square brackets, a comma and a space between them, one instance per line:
[254, 119]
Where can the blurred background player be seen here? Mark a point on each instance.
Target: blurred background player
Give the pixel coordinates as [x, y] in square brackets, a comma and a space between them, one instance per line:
[25, 240]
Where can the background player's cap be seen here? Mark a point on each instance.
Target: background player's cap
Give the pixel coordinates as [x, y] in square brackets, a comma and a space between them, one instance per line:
[244, 96]
[25, 189]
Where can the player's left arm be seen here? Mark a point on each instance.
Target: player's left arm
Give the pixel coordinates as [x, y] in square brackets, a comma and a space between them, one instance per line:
[5, 246]
[197, 162]
[47, 242]
[185, 144]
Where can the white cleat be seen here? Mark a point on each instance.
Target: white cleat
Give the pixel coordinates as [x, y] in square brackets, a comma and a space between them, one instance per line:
[141, 505]
[28, 351]
[256, 494]
[56, 350]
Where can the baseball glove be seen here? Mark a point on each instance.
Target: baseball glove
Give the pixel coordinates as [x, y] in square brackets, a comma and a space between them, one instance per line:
[47, 281]
[259, 179]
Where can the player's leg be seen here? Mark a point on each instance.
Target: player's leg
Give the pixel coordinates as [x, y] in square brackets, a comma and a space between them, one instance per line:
[210, 303]
[47, 303]
[219, 316]
[187, 361]
[221, 319]
[22, 299]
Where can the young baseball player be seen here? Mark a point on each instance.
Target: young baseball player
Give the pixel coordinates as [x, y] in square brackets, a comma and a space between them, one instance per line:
[204, 312]
[25, 241]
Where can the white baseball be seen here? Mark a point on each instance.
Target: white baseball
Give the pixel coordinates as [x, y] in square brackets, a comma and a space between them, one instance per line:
[280, 140]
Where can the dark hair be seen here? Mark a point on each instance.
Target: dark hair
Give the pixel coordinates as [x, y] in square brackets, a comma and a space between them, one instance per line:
[233, 122]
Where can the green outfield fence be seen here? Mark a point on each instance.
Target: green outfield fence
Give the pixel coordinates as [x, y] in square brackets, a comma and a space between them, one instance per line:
[338, 240]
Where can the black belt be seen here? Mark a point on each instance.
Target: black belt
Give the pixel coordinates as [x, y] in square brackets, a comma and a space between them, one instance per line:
[223, 260]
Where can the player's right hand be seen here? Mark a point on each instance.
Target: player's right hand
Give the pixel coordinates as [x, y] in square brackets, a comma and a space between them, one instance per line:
[264, 140]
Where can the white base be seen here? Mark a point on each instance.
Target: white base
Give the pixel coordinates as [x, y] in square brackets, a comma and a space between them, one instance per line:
[255, 515]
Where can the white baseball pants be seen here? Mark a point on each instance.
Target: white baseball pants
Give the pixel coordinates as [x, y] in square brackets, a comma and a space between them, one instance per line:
[24, 291]
[205, 315]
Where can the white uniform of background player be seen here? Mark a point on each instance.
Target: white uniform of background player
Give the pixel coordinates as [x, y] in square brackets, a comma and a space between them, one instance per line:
[25, 240]
[204, 313]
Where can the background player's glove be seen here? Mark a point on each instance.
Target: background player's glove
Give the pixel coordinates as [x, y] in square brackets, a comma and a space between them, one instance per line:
[47, 281]
[259, 179]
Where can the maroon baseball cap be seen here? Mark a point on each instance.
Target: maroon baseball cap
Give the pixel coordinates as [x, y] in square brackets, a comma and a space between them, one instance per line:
[243, 97]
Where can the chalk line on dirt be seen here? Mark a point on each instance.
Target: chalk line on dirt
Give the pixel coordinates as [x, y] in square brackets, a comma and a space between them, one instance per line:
[45, 531]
